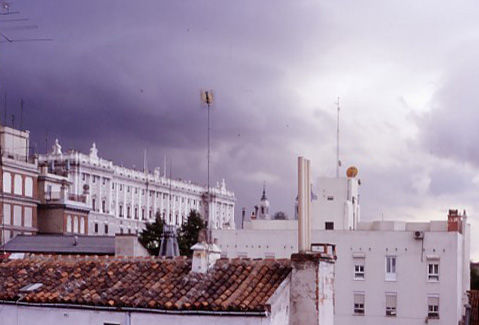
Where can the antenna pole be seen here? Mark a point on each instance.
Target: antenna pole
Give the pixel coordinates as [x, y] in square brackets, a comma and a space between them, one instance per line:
[21, 113]
[5, 109]
[207, 98]
[338, 162]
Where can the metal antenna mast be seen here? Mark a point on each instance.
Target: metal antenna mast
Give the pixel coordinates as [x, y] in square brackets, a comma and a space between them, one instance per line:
[338, 162]
[207, 98]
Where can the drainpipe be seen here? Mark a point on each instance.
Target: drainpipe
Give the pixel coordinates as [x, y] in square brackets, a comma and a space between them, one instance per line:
[128, 318]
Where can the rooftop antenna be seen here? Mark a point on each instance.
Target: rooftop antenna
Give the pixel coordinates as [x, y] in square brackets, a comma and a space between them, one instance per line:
[5, 11]
[46, 142]
[145, 164]
[5, 108]
[21, 113]
[207, 98]
[338, 162]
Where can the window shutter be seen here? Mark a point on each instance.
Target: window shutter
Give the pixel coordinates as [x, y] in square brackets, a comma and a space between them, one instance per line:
[391, 301]
[359, 298]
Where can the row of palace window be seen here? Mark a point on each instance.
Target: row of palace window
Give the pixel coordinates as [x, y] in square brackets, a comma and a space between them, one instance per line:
[128, 188]
[359, 306]
[18, 187]
[96, 229]
[15, 219]
[390, 270]
[75, 225]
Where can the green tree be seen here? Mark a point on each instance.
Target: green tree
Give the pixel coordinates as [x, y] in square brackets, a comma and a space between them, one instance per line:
[474, 277]
[150, 237]
[188, 232]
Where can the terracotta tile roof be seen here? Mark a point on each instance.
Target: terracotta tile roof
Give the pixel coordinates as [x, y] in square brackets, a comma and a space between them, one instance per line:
[165, 284]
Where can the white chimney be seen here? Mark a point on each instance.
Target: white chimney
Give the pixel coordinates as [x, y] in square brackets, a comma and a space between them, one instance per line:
[204, 255]
[304, 205]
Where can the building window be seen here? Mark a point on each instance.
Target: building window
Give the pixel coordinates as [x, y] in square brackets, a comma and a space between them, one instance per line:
[96, 228]
[17, 189]
[136, 190]
[93, 204]
[82, 225]
[391, 268]
[329, 225]
[112, 186]
[433, 271]
[27, 217]
[391, 304]
[330, 198]
[7, 215]
[93, 178]
[83, 176]
[104, 181]
[150, 214]
[128, 189]
[433, 307]
[28, 186]
[106, 229]
[7, 182]
[136, 213]
[128, 212]
[75, 224]
[143, 214]
[121, 187]
[17, 215]
[103, 206]
[359, 303]
[121, 210]
[358, 268]
[69, 223]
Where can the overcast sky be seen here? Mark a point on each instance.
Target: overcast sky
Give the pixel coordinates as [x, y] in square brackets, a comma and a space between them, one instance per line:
[127, 75]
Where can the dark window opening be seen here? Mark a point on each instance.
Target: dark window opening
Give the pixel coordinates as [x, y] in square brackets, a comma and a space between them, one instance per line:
[329, 225]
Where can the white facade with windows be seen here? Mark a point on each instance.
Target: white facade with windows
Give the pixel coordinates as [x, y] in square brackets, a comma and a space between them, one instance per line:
[384, 275]
[387, 272]
[123, 199]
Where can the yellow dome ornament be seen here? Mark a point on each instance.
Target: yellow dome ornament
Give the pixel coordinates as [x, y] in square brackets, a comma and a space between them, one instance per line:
[352, 172]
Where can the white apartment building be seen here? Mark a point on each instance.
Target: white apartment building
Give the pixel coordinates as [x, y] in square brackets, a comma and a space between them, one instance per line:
[123, 199]
[387, 272]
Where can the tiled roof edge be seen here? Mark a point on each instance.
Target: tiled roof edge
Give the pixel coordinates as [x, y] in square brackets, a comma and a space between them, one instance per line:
[143, 310]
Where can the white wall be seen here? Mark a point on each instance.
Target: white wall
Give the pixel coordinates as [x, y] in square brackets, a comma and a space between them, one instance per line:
[412, 286]
[28, 315]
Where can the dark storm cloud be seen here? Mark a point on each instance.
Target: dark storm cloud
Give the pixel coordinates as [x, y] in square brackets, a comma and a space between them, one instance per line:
[129, 76]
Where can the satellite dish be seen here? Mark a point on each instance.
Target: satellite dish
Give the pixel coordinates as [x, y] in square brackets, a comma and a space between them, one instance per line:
[352, 172]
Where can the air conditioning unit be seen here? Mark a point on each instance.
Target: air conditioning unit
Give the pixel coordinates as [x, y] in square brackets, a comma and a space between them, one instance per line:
[418, 234]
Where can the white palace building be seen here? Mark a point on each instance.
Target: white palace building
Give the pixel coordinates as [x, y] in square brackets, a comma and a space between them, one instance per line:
[122, 199]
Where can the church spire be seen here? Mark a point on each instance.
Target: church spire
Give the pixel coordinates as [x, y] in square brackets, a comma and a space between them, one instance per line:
[263, 197]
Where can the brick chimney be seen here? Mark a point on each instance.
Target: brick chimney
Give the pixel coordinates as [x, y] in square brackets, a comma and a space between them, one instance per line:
[312, 276]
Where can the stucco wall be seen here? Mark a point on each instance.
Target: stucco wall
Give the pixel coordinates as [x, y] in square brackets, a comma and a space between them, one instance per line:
[28, 315]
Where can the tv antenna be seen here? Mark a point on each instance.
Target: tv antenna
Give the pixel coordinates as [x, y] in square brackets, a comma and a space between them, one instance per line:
[5, 10]
[338, 161]
[207, 98]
